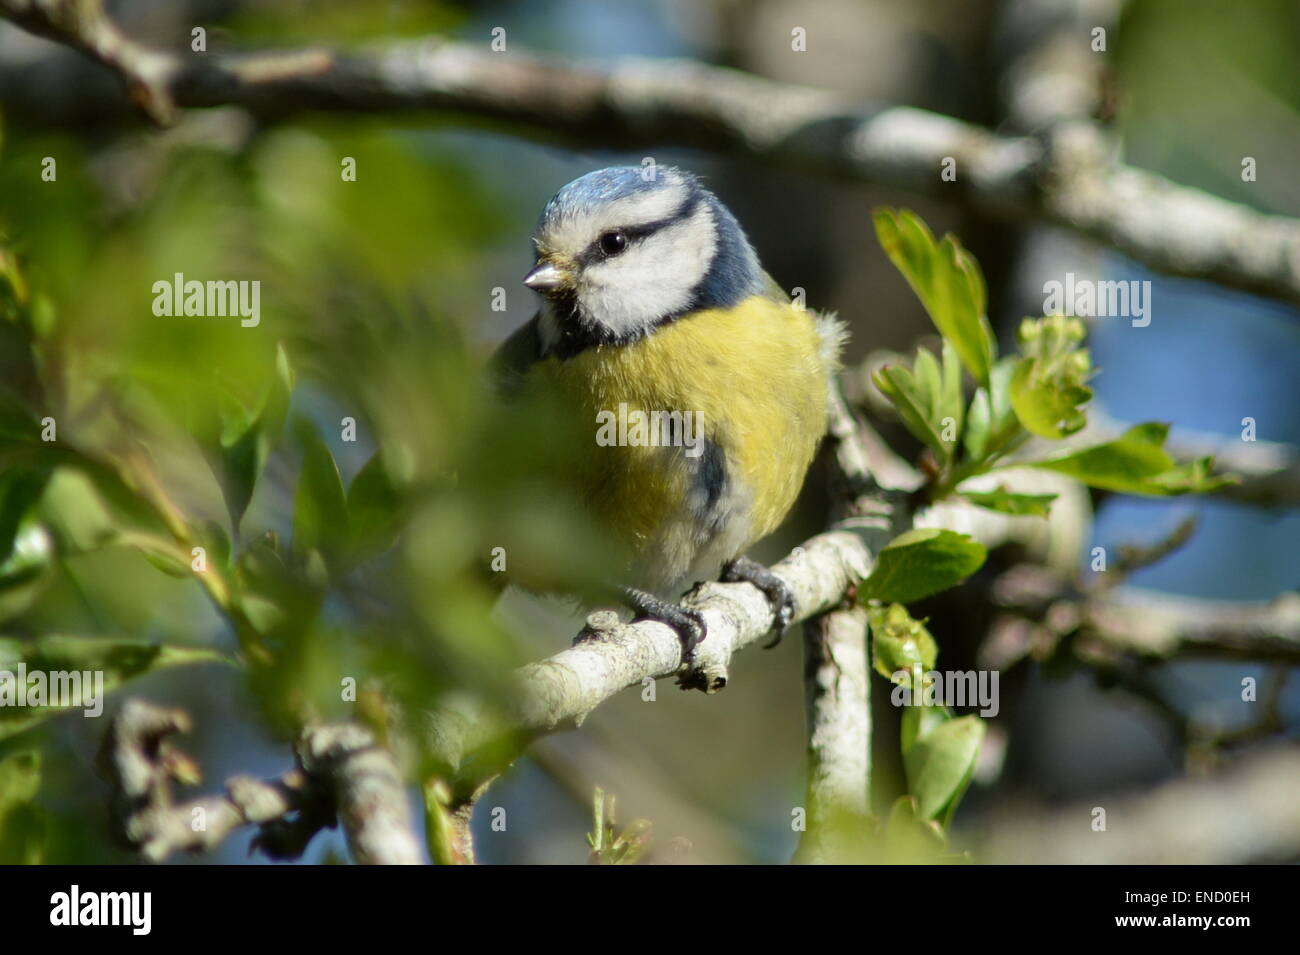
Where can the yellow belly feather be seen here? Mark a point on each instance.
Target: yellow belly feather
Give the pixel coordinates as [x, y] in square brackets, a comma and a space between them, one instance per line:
[756, 374]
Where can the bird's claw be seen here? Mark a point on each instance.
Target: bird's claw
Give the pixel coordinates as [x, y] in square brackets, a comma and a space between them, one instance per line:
[689, 624]
[778, 594]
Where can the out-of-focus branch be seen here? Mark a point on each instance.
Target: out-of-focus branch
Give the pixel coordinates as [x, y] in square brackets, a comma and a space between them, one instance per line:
[141, 764]
[1051, 75]
[368, 789]
[341, 773]
[1154, 626]
[1068, 175]
[83, 24]
[1164, 626]
[1248, 814]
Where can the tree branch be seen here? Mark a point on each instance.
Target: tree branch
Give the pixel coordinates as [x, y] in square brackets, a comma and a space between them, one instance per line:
[1144, 623]
[609, 656]
[1067, 176]
[837, 665]
[1248, 814]
[341, 773]
[837, 677]
[1163, 626]
[369, 791]
[85, 26]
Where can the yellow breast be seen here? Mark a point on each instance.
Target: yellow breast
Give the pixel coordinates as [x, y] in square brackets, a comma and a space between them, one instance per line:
[754, 376]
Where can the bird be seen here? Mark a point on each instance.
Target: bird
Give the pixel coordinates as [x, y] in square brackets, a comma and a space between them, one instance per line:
[654, 302]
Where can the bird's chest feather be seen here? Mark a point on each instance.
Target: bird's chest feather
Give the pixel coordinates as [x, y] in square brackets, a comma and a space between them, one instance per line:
[740, 396]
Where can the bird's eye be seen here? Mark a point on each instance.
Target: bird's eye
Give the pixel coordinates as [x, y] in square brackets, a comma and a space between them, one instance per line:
[612, 243]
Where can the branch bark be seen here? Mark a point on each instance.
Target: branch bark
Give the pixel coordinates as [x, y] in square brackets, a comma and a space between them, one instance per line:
[1068, 175]
[837, 677]
[369, 791]
[341, 773]
[609, 656]
[837, 655]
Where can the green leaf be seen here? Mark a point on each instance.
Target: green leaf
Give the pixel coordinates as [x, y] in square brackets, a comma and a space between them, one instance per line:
[320, 508]
[1192, 477]
[119, 660]
[29, 569]
[1129, 463]
[1006, 502]
[921, 562]
[14, 291]
[950, 403]
[247, 437]
[1136, 463]
[164, 559]
[979, 424]
[900, 644]
[912, 404]
[216, 542]
[947, 280]
[992, 427]
[373, 509]
[22, 822]
[75, 510]
[20, 778]
[267, 588]
[926, 396]
[940, 764]
[929, 382]
[20, 489]
[911, 838]
[917, 721]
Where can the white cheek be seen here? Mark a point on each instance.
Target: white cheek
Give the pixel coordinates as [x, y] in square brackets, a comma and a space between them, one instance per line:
[653, 279]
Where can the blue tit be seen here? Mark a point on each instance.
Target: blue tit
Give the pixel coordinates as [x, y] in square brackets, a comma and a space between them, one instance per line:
[654, 301]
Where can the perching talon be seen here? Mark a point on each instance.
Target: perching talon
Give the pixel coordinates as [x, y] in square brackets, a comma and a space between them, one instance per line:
[689, 624]
[744, 570]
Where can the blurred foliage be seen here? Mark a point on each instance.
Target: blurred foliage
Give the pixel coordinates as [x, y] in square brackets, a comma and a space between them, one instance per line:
[1200, 76]
[319, 494]
[611, 844]
[339, 21]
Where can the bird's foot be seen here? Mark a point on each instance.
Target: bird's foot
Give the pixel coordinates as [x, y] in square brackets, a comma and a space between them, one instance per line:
[689, 624]
[744, 570]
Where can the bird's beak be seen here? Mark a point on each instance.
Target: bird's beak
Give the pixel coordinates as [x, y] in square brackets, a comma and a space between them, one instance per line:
[544, 277]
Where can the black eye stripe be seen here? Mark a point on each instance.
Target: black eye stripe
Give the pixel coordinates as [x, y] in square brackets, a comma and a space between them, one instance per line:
[637, 233]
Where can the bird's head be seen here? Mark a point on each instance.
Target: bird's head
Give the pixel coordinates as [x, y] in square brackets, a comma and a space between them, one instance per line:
[623, 250]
